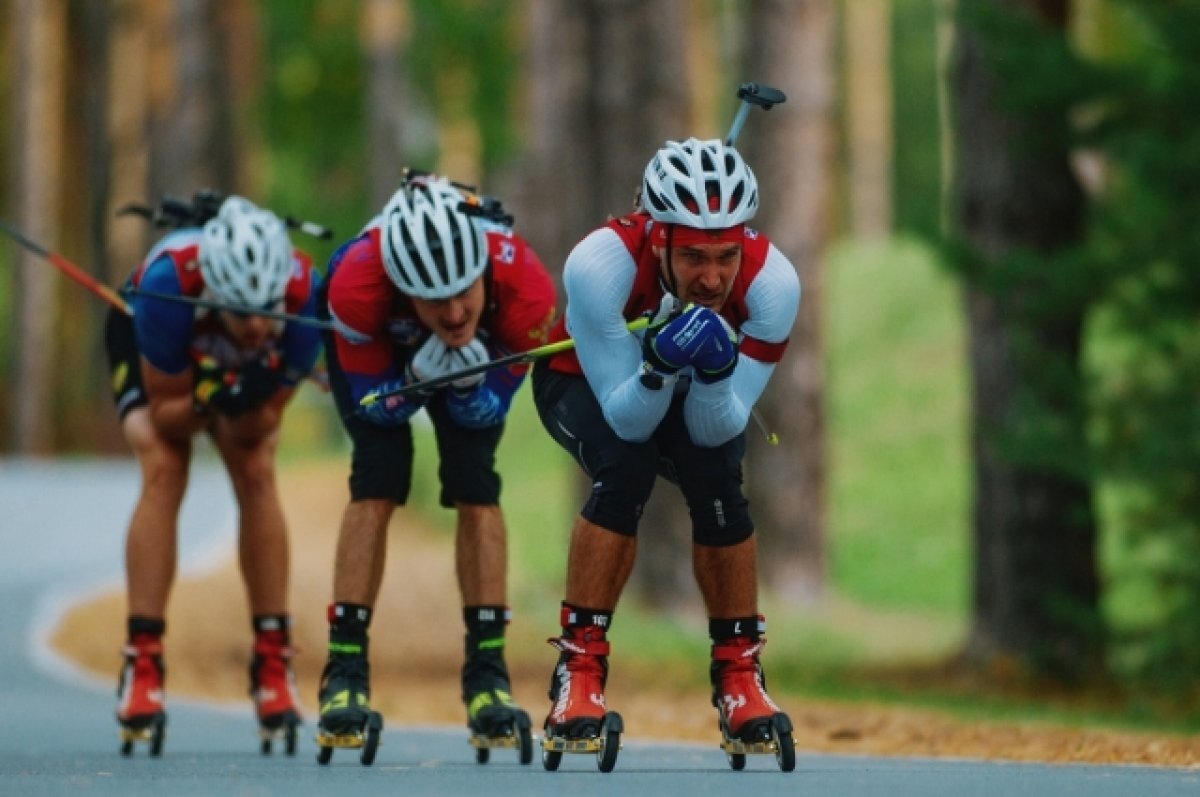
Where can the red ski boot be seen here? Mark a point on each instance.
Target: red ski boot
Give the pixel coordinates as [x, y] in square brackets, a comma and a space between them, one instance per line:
[273, 688]
[749, 720]
[140, 696]
[579, 721]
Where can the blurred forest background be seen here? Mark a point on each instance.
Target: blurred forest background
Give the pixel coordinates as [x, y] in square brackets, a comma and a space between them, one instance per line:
[989, 409]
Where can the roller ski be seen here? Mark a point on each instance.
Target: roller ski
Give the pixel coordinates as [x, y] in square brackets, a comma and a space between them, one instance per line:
[494, 719]
[749, 721]
[347, 720]
[140, 710]
[273, 688]
[579, 721]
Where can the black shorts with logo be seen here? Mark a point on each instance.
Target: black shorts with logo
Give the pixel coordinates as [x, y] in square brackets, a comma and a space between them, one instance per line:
[124, 363]
[382, 460]
[623, 473]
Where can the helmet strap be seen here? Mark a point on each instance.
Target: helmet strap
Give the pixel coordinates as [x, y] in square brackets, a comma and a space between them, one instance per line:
[670, 282]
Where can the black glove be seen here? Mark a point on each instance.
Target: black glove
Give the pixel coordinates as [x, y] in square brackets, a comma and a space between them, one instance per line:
[215, 389]
[260, 380]
[234, 392]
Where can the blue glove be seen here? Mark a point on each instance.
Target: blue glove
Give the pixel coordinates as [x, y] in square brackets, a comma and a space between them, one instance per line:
[392, 410]
[717, 361]
[697, 337]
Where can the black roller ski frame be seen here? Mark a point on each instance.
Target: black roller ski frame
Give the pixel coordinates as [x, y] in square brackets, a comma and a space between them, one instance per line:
[773, 737]
[285, 729]
[606, 744]
[513, 735]
[153, 732]
[365, 739]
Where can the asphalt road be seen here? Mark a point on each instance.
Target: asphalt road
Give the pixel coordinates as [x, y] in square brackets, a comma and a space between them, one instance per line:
[61, 526]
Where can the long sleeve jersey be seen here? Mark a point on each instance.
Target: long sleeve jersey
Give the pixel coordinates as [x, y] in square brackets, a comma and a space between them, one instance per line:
[377, 329]
[171, 336]
[612, 277]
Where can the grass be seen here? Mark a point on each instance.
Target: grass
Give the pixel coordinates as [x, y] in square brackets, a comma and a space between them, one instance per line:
[897, 428]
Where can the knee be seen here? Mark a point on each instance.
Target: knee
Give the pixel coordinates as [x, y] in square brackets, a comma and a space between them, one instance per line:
[721, 522]
[619, 494]
[164, 468]
[476, 515]
[252, 471]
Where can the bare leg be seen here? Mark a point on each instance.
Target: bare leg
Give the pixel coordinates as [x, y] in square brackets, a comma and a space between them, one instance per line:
[481, 555]
[598, 565]
[361, 551]
[150, 546]
[728, 578]
[262, 531]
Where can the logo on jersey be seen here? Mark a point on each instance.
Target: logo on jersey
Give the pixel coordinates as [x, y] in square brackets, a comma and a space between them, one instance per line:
[751, 233]
[405, 331]
[507, 253]
[119, 376]
[541, 333]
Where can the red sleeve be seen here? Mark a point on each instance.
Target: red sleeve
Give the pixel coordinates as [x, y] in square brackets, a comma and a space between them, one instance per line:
[299, 284]
[524, 293]
[360, 295]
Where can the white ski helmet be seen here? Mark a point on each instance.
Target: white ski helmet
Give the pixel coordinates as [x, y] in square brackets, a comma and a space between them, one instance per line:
[245, 255]
[431, 249]
[700, 184]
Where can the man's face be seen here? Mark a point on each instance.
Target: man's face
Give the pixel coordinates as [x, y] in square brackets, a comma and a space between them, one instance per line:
[456, 319]
[249, 332]
[704, 272]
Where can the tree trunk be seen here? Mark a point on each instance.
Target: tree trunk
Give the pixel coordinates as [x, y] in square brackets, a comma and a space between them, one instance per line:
[191, 132]
[129, 65]
[791, 150]
[37, 119]
[609, 86]
[384, 34]
[1036, 591]
[82, 379]
[869, 129]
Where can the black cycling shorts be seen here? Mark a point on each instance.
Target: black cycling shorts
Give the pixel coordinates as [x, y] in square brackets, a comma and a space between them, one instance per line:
[124, 363]
[382, 460]
[623, 473]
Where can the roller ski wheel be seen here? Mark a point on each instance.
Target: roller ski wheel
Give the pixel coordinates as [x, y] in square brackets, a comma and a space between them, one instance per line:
[365, 739]
[770, 736]
[285, 729]
[153, 731]
[604, 741]
[515, 733]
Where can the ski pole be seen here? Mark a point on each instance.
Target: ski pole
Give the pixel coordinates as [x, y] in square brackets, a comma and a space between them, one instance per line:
[71, 270]
[209, 304]
[765, 97]
[513, 359]
[772, 438]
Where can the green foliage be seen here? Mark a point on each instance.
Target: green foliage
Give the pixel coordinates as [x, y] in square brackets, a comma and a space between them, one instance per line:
[917, 151]
[312, 115]
[467, 46]
[1145, 358]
